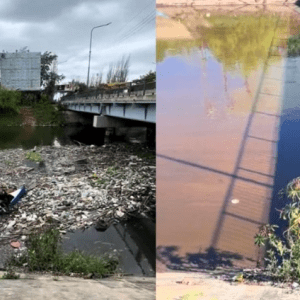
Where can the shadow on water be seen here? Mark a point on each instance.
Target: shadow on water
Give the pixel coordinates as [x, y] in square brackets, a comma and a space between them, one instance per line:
[133, 242]
[202, 167]
[210, 259]
[288, 163]
[251, 179]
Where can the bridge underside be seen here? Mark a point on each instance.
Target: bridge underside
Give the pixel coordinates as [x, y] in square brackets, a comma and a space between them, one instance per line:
[145, 112]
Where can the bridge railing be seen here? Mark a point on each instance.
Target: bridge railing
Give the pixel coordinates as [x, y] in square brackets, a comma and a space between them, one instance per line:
[132, 89]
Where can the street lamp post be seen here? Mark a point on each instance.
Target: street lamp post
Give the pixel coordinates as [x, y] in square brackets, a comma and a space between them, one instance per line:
[88, 76]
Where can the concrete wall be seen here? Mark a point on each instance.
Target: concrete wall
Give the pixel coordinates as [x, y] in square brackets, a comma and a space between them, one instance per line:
[21, 70]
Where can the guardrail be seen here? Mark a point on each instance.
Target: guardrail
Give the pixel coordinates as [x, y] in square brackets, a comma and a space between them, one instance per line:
[132, 90]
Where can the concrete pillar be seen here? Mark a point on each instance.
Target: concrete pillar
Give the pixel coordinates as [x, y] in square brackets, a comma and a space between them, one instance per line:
[151, 136]
[106, 122]
[110, 135]
[76, 117]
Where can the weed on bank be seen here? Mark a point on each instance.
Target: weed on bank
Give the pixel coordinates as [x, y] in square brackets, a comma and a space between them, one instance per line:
[44, 254]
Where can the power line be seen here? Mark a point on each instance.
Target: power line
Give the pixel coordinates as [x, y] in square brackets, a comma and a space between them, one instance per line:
[134, 27]
[137, 30]
[136, 16]
[142, 24]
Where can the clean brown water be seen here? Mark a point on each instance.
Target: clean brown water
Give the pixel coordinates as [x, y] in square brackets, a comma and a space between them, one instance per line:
[220, 96]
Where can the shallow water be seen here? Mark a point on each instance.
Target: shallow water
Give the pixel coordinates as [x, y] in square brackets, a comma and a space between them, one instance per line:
[220, 98]
[27, 137]
[133, 242]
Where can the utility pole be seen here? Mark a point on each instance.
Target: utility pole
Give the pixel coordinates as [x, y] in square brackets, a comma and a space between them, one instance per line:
[88, 76]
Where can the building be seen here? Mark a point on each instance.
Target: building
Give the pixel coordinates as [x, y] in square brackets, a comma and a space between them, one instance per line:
[21, 70]
[63, 90]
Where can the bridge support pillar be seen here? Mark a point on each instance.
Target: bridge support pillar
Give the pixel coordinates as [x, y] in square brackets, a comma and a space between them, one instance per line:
[107, 122]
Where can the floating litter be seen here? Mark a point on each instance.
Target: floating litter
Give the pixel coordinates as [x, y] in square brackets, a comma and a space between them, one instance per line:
[18, 194]
[235, 201]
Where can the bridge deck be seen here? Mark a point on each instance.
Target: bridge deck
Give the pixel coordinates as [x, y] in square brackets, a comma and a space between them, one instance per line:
[139, 105]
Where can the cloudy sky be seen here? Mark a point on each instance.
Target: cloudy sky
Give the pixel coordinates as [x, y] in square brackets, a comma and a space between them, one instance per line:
[64, 27]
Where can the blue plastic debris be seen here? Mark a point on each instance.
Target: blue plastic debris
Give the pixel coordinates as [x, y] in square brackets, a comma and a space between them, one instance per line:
[161, 14]
[18, 194]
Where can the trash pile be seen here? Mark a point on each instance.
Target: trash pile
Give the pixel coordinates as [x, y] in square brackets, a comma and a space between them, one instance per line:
[5, 200]
[74, 187]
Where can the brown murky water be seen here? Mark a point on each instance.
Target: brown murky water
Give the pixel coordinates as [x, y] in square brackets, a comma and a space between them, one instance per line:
[219, 102]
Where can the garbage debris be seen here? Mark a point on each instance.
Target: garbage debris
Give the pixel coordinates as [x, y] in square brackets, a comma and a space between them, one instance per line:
[15, 244]
[17, 195]
[5, 200]
[79, 187]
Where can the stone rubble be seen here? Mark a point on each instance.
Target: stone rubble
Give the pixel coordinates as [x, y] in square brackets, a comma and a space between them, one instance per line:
[76, 187]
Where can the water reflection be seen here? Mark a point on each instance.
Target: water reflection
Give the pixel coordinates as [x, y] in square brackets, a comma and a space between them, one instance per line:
[133, 242]
[14, 135]
[288, 164]
[294, 46]
[220, 98]
[29, 136]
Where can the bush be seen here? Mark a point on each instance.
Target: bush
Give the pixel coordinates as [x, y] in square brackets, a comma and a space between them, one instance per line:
[77, 262]
[10, 274]
[294, 46]
[46, 113]
[34, 156]
[283, 256]
[9, 101]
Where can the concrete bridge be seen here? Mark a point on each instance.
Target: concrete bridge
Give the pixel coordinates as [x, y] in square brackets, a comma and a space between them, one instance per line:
[111, 108]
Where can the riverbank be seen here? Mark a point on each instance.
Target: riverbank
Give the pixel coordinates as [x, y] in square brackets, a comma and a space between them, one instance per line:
[220, 284]
[47, 287]
[75, 187]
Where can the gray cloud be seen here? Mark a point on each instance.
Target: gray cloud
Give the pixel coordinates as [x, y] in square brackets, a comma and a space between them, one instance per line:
[64, 26]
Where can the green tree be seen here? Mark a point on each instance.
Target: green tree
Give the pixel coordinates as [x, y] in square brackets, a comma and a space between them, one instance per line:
[149, 77]
[80, 87]
[49, 77]
[9, 101]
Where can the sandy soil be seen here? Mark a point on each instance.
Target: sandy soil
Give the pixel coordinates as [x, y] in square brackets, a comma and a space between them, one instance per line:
[221, 2]
[200, 286]
[170, 29]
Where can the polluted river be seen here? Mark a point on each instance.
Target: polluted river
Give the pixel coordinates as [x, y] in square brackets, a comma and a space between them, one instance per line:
[100, 195]
[228, 129]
